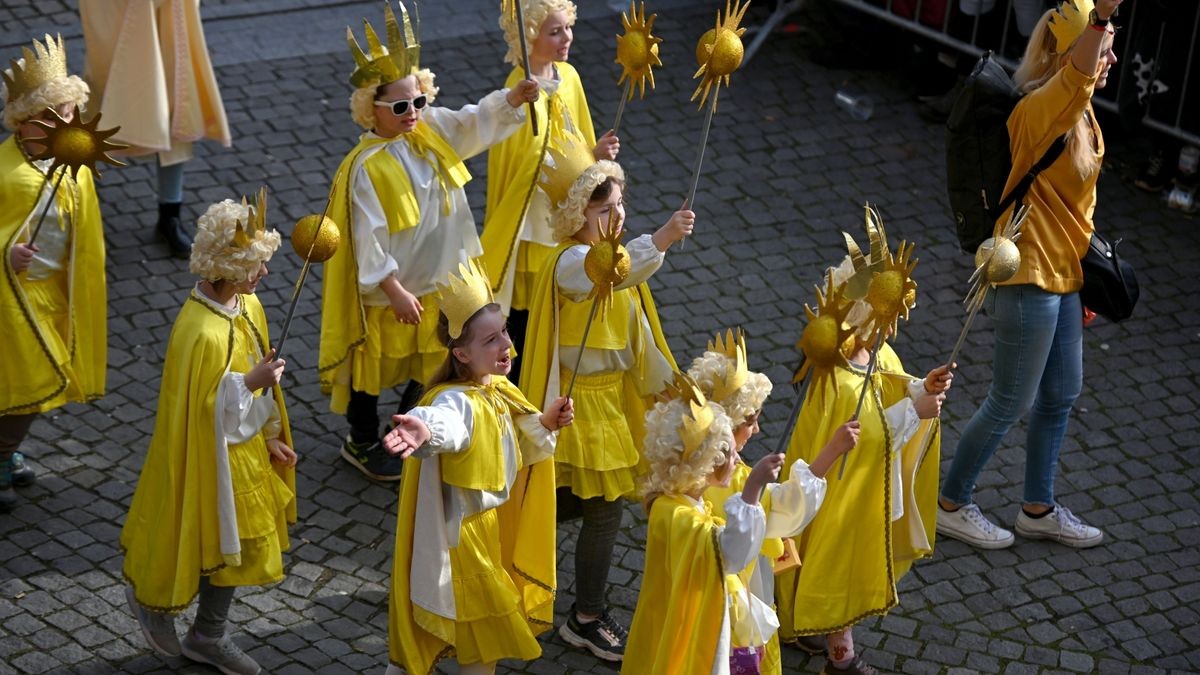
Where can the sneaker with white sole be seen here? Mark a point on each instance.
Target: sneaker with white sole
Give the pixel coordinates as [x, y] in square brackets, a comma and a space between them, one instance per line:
[157, 628]
[968, 525]
[604, 637]
[221, 654]
[1059, 525]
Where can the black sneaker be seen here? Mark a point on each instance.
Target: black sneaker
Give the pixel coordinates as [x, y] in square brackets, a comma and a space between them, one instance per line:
[373, 460]
[1156, 175]
[604, 637]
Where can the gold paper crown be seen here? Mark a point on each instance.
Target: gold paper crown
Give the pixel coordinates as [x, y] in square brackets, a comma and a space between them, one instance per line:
[864, 267]
[463, 294]
[885, 280]
[732, 346]
[570, 158]
[46, 62]
[1069, 21]
[255, 226]
[379, 64]
[697, 419]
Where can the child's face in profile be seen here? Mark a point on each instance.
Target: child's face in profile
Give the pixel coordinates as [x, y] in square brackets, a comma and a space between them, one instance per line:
[488, 351]
[724, 473]
[251, 284]
[598, 212]
[745, 431]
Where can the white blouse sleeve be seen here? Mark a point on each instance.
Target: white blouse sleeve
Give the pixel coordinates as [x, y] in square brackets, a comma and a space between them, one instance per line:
[795, 501]
[371, 235]
[573, 281]
[450, 423]
[902, 416]
[243, 415]
[742, 537]
[536, 441]
[476, 127]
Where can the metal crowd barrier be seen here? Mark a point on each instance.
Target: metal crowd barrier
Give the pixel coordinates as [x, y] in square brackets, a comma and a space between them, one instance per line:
[944, 22]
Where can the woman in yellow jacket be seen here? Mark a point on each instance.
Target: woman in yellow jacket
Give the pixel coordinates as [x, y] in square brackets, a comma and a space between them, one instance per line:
[517, 237]
[1038, 362]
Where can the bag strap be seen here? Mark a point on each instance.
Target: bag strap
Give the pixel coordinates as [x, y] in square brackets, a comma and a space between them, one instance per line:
[1018, 193]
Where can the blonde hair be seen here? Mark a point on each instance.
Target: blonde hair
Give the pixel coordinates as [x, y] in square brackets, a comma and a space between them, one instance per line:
[215, 258]
[536, 12]
[670, 473]
[749, 398]
[567, 217]
[1037, 66]
[362, 101]
[51, 94]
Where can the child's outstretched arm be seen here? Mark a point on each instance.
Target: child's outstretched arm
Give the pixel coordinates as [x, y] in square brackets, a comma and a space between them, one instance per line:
[680, 225]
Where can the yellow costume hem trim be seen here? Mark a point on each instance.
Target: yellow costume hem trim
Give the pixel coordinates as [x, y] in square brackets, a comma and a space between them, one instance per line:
[175, 609]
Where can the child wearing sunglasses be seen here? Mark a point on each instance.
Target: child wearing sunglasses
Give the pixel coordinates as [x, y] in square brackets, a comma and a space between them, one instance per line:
[517, 237]
[399, 203]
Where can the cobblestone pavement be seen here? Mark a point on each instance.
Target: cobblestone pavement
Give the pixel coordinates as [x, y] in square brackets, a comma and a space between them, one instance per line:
[784, 175]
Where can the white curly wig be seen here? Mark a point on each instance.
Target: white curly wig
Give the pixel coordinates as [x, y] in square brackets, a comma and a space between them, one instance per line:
[362, 101]
[536, 12]
[710, 368]
[566, 218]
[52, 94]
[670, 473]
[214, 257]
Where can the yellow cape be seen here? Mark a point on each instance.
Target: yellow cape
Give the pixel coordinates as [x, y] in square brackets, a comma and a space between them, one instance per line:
[528, 530]
[343, 320]
[852, 554]
[171, 535]
[37, 374]
[515, 165]
[542, 337]
[677, 623]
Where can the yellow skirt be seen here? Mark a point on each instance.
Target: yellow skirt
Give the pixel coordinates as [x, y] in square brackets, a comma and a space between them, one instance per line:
[395, 352]
[260, 498]
[52, 311]
[596, 456]
[530, 259]
[490, 624]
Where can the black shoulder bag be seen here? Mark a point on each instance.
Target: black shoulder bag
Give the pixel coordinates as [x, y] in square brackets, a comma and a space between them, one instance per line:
[1110, 287]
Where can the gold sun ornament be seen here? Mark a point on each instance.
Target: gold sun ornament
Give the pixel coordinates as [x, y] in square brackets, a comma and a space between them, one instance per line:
[719, 51]
[76, 144]
[315, 237]
[607, 263]
[892, 291]
[637, 50]
[824, 334]
[996, 260]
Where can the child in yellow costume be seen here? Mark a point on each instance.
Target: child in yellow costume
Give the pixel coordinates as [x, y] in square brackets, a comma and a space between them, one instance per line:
[722, 374]
[405, 224]
[625, 361]
[473, 573]
[217, 490]
[693, 606]
[880, 516]
[517, 237]
[53, 293]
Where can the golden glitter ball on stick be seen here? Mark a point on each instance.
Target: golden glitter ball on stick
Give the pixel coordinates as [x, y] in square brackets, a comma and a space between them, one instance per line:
[1002, 257]
[320, 237]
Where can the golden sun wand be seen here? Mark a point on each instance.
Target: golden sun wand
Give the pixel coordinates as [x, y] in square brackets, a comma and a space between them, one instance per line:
[71, 145]
[513, 9]
[607, 265]
[637, 53]
[315, 238]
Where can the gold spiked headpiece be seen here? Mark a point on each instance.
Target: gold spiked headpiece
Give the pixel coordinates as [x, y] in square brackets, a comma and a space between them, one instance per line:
[463, 294]
[379, 64]
[46, 62]
[885, 280]
[697, 418]
[255, 227]
[570, 157]
[1069, 21]
[824, 335]
[731, 345]
[637, 49]
[719, 51]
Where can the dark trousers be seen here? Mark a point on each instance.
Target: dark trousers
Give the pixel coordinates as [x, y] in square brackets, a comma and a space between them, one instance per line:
[594, 549]
[518, 321]
[362, 412]
[13, 430]
[213, 609]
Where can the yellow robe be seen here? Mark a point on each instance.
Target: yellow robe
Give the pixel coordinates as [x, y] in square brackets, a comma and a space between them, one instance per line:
[46, 366]
[852, 553]
[351, 334]
[772, 549]
[514, 168]
[677, 623]
[148, 66]
[547, 330]
[507, 555]
[171, 535]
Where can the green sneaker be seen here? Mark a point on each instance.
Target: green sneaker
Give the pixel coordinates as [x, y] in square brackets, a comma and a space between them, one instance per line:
[22, 475]
[371, 459]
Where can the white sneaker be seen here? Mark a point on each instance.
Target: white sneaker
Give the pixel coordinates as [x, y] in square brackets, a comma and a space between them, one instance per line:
[1059, 525]
[969, 525]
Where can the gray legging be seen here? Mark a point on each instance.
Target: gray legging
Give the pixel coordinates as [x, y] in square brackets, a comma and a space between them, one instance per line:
[213, 609]
[593, 553]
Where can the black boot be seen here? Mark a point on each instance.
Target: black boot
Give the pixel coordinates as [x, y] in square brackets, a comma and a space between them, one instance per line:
[413, 391]
[171, 230]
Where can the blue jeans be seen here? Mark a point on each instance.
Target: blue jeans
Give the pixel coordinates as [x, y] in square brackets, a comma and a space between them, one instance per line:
[1038, 365]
